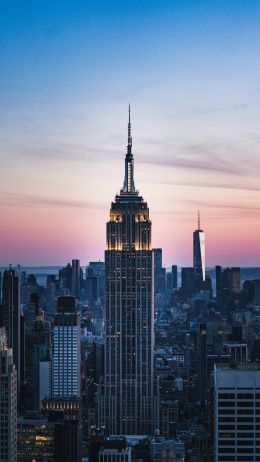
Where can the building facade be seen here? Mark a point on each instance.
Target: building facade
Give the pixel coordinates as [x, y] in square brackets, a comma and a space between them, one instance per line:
[12, 315]
[237, 413]
[66, 350]
[8, 399]
[127, 397]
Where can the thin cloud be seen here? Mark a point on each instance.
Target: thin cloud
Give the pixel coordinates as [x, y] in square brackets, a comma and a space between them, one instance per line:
[213, 165]
[12, 199]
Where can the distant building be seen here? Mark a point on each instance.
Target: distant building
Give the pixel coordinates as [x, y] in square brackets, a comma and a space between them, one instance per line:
[237, 413]
[174, 277]
[157, 267]
[95, 280]
[199, 256]
[65, 278]
[187, 281]
[202, 362]
[227, 288]
[76, 279]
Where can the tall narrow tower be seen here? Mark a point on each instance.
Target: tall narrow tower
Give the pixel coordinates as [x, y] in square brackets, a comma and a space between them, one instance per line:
[8, 398]
[127, 398]
[199, 255]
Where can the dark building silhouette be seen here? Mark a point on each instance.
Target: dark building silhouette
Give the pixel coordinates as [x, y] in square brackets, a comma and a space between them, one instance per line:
[8, 398]
[174, 277]
[76, 279]
[12, 316]
[187, 281]
[227, 289]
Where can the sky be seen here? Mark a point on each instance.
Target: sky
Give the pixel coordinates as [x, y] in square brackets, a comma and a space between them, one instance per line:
[191, 70]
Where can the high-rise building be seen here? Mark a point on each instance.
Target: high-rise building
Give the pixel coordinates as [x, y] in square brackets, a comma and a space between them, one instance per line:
[12, 315]
[199, 255]
[228, 288]
[66, 350]
[157, 265]
[202, 362]
[237, 413]
[187, 281]
[174, 276]
[127, 398]
[8, 398]
[75, 279]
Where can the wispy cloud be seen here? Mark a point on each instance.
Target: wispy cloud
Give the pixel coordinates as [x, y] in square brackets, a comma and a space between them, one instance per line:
[12, 199]
[213, 164]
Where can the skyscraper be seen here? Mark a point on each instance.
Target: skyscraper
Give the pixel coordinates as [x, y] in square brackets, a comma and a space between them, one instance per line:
[8, 399]
[12, 315]
[127, 399]
[199, 255]
[157, 267]
[66, 350]
[237, 411]
[75, 279]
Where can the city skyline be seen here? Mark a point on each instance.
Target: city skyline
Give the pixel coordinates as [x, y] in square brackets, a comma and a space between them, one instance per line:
[191, 72]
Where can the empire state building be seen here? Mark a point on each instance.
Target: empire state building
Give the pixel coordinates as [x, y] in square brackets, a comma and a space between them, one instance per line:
[127, 401]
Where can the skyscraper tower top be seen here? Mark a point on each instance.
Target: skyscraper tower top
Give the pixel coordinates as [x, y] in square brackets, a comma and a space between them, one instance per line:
[199, 254]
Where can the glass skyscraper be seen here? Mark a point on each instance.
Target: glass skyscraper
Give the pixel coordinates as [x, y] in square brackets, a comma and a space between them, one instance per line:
[127, 398]
[66, 350]
[199, 255]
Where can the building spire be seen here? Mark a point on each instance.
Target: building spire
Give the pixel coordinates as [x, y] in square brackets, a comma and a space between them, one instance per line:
[129, 186]
[129, 144]
[199, 219]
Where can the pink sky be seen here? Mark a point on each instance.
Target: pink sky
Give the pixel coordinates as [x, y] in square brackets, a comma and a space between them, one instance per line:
[55, 202]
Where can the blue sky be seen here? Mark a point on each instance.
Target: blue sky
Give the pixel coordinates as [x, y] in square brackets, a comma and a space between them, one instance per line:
[191, 70]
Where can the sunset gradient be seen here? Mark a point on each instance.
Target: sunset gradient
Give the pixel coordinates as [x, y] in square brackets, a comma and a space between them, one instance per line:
[192, 73]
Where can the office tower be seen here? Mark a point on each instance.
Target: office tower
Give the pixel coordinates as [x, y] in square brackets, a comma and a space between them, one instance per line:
[76, 279]
[51, 300]
[95, 280]
[237, 413]
[30, 313]
[12, 315]
[40, 364]
[66, 349]
[65, 415]
[169, 281]
[35, 439]
[126, 404]
[22, 347]
[157, 265]
[24, 289]
[174, 277]
[187, 281]
[65, 278]
[8, 398]
[227, 288]
[202, 362]
[199, 255]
